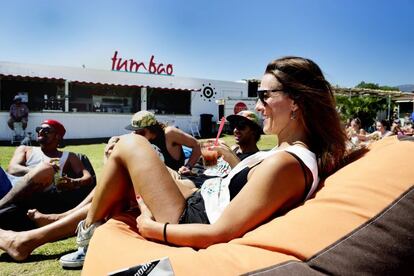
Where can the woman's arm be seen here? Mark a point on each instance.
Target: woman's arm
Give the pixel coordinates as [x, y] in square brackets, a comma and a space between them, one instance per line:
[276, 184]
[372, 136]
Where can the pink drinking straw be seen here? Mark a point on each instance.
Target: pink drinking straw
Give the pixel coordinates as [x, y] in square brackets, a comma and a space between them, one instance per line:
[223, 120]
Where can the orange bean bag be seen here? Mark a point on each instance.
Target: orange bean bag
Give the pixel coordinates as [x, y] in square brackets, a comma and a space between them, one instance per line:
[360, 222]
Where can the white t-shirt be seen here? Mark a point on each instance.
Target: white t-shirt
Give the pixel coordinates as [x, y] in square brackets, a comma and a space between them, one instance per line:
[36, 157]
[216, 193]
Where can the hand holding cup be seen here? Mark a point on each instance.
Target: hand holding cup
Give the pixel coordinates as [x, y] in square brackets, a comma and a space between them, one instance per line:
[209, 155]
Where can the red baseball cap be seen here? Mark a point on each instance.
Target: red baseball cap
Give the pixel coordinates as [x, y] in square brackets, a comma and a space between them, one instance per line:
[59, 128]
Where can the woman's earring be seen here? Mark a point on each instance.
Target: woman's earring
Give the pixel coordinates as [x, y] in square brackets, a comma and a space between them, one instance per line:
[293, 115]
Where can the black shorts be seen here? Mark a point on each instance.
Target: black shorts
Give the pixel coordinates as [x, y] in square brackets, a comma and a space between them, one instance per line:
[195, 211]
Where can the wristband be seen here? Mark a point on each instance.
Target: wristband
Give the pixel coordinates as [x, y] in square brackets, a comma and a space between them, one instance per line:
[165, 233]
[188, 166]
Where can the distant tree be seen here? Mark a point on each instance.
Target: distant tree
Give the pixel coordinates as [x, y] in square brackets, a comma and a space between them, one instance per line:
[385, 87]
[365, 107]
[370, 85]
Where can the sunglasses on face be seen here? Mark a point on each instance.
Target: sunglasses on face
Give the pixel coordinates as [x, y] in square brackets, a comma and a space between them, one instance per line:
[45, 130]
[240, 125]
[263, 95]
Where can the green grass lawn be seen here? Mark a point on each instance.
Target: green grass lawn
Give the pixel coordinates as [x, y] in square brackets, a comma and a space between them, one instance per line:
[44, 260]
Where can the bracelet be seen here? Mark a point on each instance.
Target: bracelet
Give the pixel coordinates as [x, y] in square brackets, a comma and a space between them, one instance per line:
[165, 232]
[188, 166]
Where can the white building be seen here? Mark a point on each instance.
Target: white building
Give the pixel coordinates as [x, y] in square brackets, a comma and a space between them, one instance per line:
[99, 103]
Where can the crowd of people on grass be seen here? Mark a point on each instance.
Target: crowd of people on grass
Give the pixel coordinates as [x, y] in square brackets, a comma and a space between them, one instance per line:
[48, 194]
[356, 134]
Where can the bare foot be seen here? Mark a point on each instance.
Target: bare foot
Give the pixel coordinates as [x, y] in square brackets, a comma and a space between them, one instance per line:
[41, 219]
[15, 244]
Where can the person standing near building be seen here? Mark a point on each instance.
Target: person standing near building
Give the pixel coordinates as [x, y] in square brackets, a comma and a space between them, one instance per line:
[19, 112]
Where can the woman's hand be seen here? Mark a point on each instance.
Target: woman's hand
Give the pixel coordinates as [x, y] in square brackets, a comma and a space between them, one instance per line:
[225, 151]
[145, 221]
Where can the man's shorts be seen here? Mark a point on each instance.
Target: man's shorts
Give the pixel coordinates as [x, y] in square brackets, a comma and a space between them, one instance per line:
[5, 184]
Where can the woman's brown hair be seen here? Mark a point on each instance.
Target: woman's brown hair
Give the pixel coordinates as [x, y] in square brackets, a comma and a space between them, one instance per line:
[303, 81]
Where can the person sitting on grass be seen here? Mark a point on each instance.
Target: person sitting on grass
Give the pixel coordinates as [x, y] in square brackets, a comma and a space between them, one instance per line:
[167, 140]
[42, 177]
[52, 227]
[247, 133]
[408, 129]
[354, 130]
[381, 132]
[297, 105]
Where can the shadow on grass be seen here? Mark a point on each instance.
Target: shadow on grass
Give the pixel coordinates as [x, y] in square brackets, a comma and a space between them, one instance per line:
[4, 257]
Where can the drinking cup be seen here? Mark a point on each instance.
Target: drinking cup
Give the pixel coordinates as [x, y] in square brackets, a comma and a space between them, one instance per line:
[209, 156]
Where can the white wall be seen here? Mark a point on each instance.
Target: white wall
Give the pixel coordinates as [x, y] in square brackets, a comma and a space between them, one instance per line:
[88, 125]
[97, 125]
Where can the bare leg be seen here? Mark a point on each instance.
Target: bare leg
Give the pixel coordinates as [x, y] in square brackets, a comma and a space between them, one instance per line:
[134, 163]
[43, 219]
[34, 181]
[19, 245]
[186, 186]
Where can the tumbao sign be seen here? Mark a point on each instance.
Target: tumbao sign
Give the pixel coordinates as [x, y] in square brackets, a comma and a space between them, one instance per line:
[132, 66]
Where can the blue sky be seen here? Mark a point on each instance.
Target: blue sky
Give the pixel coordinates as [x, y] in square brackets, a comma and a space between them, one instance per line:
[370, 40]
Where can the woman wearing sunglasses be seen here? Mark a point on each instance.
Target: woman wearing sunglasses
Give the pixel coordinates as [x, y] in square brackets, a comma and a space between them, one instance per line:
[297, 105]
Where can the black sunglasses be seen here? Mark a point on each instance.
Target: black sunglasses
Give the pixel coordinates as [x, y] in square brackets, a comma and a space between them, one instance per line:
[45, 130]
[240, 125]
[263, 94]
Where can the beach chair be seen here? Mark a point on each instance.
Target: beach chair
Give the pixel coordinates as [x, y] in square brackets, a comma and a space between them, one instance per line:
[360, 222]
[194, 128]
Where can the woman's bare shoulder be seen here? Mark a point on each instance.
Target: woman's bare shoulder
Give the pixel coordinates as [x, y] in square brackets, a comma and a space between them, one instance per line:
[279, 161]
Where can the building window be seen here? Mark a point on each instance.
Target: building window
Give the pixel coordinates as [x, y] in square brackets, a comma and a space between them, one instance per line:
[104, 98]
[169, 101]
[37, 91]
[252, 88]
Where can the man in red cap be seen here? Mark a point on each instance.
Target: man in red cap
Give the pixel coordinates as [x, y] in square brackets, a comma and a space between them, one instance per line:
[44, 177]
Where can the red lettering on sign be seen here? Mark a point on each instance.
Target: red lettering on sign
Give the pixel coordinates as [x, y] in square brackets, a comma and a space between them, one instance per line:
[152, 69]
[123, 64]
[140, 67]
[134, 66]
[169, 69]
[114, 58]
